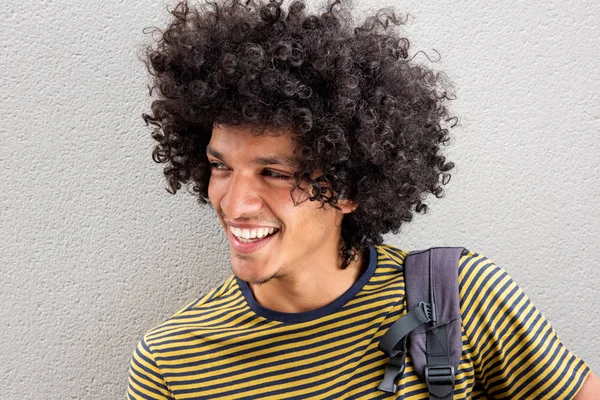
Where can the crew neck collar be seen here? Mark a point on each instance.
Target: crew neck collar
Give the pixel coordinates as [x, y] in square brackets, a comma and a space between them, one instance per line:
[313, 314]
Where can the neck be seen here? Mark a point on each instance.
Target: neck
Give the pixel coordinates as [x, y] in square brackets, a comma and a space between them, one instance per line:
[311, 288]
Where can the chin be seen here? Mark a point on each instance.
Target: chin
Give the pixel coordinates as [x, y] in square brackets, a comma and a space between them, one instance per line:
[251, 273]
[254, 279]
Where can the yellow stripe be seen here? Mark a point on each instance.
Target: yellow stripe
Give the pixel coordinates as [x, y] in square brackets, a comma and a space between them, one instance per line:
[306, 338]
[562, 395]
[144, 381]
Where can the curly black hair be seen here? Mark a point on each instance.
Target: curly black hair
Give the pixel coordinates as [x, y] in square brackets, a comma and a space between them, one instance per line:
[360, 110]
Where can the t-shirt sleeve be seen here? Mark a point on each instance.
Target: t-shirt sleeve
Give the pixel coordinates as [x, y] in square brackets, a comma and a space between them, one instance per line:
[515, 352]
[145, 378]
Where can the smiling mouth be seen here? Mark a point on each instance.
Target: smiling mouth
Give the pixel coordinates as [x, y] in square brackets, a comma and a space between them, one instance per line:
[244, 240]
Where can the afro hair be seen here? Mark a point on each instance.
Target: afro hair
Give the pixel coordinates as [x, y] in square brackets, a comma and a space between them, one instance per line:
[360, 109]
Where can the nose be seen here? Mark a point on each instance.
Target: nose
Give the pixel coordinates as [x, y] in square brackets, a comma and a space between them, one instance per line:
[242, 196]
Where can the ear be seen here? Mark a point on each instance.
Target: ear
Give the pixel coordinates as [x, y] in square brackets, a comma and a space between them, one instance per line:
[349, 208]
[346, 205]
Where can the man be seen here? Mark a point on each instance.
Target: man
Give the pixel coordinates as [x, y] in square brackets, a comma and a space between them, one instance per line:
[311, 139]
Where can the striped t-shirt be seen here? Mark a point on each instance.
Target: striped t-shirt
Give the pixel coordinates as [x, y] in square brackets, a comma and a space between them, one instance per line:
[226, 346]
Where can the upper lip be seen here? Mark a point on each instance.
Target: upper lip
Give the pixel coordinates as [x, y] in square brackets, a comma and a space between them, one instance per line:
[249, 226]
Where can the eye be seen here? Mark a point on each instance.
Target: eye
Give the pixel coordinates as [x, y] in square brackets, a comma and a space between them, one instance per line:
[275, 175]
[217, 165]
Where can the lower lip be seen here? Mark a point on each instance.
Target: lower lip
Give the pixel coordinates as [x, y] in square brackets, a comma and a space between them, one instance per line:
[248, 247]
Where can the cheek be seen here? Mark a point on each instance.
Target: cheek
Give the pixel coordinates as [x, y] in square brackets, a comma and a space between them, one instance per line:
[305, 216]
[214, 192]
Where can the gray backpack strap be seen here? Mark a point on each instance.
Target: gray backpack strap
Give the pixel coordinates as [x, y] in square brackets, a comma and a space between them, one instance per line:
[432, 325]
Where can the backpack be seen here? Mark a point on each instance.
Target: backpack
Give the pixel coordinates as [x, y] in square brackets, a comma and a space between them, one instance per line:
[431, 329]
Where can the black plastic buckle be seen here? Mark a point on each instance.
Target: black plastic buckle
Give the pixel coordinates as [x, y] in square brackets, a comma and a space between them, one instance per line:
[393, 372]
[440, 379]
[429, 311]
[398, 359]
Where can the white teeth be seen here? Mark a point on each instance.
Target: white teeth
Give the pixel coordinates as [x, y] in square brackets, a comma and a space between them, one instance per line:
[251, 233]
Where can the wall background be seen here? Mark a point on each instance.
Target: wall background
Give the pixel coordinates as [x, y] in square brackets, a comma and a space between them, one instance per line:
[94, 252]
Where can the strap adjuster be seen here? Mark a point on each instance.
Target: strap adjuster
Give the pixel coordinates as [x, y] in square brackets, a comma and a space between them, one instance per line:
[393, 371]
[428, 311]
[440, 379]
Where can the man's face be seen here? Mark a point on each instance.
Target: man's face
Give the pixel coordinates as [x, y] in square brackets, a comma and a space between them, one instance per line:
[250, 191]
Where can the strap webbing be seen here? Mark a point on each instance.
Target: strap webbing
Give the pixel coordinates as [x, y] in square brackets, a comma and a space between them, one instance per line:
[439, 371]
[393, 343]
[401, 328]
[394, 368]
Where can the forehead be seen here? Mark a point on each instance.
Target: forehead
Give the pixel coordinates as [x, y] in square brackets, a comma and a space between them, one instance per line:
[263, 145]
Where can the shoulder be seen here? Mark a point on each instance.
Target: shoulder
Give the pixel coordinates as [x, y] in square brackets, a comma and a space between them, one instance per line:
[471, 265]
[482, 283]
[472, 262]
[513, 348]
[204, 311]
[390, 256]
[389, 265]
[476, 270]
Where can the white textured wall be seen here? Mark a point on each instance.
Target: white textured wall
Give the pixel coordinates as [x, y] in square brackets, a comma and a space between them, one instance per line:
[94, 252]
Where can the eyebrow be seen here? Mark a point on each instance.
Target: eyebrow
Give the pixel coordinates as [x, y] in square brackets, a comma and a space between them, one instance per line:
[261, 160]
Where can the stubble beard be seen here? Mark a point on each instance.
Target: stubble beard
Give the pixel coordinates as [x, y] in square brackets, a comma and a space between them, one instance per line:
[258, 282]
